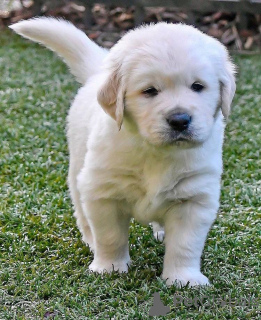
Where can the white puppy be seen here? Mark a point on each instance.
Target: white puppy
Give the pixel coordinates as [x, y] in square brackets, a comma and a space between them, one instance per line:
[155, 154]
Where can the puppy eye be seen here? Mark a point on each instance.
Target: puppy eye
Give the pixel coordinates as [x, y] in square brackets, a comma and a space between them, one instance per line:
[197, 87]
[150, 92]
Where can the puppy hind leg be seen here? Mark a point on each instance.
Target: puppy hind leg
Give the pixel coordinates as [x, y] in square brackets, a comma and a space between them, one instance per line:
[84, 228]
[81, 220]
[158, 231]
[110, 231]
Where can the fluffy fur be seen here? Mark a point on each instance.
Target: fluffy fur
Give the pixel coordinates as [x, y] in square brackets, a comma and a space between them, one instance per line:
[128, 161]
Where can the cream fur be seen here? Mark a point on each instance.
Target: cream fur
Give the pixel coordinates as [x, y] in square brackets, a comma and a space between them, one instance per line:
[143, 170]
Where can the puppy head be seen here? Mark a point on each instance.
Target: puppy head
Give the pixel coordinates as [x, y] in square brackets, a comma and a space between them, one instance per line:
[170, 80]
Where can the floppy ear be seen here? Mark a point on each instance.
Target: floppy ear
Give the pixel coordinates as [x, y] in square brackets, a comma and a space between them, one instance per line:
[227, 87]
[111, 97]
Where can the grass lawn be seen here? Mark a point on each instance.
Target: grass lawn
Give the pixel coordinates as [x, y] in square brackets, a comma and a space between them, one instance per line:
[44, 263]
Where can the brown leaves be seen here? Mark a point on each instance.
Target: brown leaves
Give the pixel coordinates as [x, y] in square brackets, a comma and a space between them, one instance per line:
[106, 24]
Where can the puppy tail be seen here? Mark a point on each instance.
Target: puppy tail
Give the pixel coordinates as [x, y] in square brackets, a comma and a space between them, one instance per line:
[82, 55]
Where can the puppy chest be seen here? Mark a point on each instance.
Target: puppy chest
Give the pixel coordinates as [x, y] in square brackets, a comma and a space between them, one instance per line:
[115, 183]
[140, 189]
[148, 185]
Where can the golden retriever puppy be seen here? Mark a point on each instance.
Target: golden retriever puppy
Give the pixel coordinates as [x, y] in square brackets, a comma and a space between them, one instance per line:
[145, 135]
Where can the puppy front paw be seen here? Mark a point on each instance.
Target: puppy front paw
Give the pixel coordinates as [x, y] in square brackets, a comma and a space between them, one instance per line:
[109, 266]
[183, 277]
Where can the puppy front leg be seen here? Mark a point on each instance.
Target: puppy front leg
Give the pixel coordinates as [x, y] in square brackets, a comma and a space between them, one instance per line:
[110, 229]
[186, 228]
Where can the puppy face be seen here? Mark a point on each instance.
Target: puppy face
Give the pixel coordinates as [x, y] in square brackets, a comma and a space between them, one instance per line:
[171, 81]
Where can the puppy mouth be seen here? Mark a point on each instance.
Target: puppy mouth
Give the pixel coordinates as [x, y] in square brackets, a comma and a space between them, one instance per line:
[180, 136]
[185, 137]
[182, 139]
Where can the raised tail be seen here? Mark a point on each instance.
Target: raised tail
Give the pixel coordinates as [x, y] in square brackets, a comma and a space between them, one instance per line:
[82, 55]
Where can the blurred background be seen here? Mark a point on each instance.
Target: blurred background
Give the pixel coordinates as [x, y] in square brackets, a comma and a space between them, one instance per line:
[235, 23]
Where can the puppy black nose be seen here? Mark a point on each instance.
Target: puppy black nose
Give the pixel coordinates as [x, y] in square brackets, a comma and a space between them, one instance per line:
[179, 121]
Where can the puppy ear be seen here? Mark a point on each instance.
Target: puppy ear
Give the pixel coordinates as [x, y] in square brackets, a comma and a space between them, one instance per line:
[227, 87]
[111, 97]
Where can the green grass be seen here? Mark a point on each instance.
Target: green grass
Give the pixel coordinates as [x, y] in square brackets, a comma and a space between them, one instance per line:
[44, 264]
